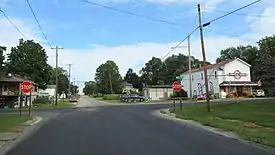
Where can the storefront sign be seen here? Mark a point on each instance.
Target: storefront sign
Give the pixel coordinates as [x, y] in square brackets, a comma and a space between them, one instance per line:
[237, 74]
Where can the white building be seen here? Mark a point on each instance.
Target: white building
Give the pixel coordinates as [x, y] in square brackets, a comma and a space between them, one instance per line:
[49, 91]
[158, 92]
[224, 77]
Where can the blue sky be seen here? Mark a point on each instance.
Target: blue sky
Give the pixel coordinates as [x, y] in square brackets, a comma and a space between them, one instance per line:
[76, 24]
[92, 35]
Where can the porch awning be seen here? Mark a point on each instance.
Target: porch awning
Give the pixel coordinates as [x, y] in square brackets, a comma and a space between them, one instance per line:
[238, 83]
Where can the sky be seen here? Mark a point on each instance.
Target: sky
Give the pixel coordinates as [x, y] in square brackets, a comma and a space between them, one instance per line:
[91, 35]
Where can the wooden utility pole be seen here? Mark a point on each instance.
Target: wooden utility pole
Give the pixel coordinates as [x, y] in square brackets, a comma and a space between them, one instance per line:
[204, 61]
[56, 74]
[190, 80]
[69, 90]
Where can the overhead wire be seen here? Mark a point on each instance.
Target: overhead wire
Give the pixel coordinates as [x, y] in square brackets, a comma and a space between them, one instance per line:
[229, 13]
[39, 25]
[133, 14]
[241, 14]
[4, 14]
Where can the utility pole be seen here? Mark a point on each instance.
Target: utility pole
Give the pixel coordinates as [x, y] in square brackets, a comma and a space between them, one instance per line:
[69, 90]
[204, 61]
[56, 74]
[190, 80]
[110, 81]
[74, 87]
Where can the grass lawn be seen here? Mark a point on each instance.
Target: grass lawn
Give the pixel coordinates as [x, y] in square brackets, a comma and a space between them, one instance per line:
[9, 123]
[251, 121]
[60, 104]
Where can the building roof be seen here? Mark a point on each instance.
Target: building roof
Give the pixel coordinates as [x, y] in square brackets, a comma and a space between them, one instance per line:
[50, 86]
[159, 86]
[238, 83]
[219, 64]
[124, 83]
[14, 78]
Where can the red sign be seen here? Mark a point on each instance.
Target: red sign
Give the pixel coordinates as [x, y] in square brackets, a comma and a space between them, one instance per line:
[26, 87]
[237, 74]
[176, 86]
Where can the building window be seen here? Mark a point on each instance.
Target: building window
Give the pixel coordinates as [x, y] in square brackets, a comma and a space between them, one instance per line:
[216, 74]
[5, 88]
[192, 77]
[202, 76]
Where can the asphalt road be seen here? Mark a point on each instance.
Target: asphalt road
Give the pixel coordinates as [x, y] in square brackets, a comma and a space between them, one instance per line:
[126, 130]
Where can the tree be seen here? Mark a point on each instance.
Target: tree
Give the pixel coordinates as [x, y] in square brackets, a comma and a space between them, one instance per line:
[154, 72]
[157, 72]
[63, 80]
[89, 88]
[107, 77]
[133, 78]
[74, 89]
[2, 59]
[29, 59]
[265, 64]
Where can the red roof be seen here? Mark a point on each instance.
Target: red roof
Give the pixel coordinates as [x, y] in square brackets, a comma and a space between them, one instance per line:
[219, 64]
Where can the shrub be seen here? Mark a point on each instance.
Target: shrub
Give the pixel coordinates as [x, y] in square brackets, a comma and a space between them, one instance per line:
[42, 100]
[251, 95]
[227, 95]
[110, 97]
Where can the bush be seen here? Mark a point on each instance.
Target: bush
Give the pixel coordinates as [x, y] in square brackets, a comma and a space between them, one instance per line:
[110, 97]
[251, 96]
[42, 100]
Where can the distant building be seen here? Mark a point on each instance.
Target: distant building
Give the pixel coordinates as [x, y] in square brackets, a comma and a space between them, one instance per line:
[158, 92]
[224, 78]
[49, 91]
[128, 87]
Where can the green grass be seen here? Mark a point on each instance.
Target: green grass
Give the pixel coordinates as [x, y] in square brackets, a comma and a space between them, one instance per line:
[251, 121]
[61, 104]
[10, 123]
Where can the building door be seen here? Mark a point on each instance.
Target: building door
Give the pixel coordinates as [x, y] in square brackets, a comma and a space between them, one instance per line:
[239, 91]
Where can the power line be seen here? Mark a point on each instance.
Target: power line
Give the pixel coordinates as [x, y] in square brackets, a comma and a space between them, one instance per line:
[220, 17]
[172, 50]
[40, 27]
[133, 14]
[4, 14]
[243, 14]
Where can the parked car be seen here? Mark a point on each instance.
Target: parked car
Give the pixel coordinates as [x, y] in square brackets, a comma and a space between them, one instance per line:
[258, 93]
[73, 99]
[131, 98]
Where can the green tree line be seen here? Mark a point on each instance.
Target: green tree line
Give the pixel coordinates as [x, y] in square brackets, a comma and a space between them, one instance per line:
[261, 57]
[29, 60]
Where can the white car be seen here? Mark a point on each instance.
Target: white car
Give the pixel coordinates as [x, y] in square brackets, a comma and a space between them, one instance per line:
[258, 93]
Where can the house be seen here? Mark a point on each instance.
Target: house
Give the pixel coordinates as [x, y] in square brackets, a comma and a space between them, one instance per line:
[128, 87]
[158, 92]
[49, 91]
[224, 78]
[10, 91]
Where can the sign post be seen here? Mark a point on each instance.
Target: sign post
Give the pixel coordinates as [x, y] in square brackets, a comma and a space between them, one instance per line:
[26, 87]
[176, 88]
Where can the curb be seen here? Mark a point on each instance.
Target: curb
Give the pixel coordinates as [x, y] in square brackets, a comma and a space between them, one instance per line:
[199, 125]
[24, 133]
[228, 134]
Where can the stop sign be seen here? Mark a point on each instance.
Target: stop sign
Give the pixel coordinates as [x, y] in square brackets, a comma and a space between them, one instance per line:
[26, 87]
[176, 86]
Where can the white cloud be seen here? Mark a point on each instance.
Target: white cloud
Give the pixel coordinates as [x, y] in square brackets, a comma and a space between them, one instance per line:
[85, 61]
